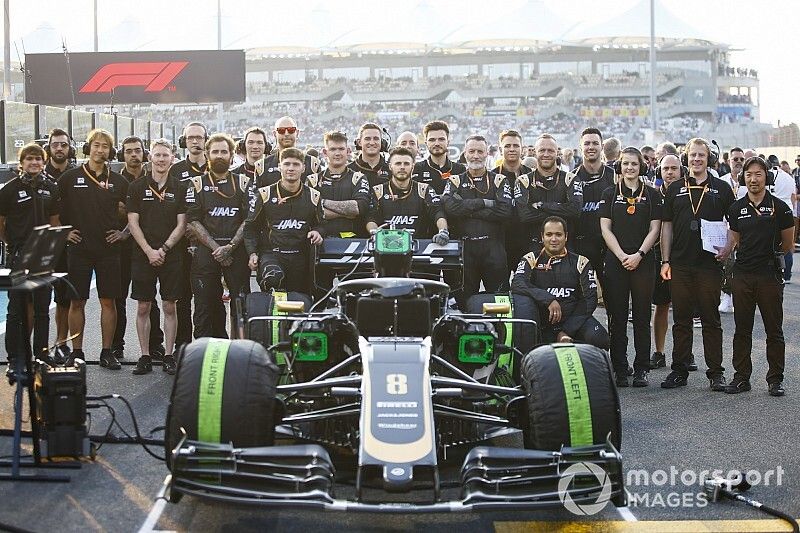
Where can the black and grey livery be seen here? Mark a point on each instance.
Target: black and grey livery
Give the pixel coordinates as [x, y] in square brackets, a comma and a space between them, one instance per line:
[426, 171]
[417, 209]
[537, 197]
[349, 185]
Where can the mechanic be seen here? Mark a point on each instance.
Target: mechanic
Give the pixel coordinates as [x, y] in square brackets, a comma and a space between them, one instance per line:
[762, 229]
[437, 167]
[630, 219]
[216, 210]
[93, 203]
[290, 213]
[27, 201]
[344, 192]
[670, 171]
[408, 140]
[60, 150]
[157, 221]
[194, 137]
[517, 244]
[545, 192]
[478, 203]
[592, 177]
[255, 145]
[134, 155]
[695, 273]
[370, 160]
[732, 178]
[286, 134]
[404, 203]
[563, 285]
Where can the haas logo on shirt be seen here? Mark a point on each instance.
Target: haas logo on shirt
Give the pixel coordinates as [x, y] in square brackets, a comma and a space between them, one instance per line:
[224, 212]
[290, 223]
[560, 292]
[403, 220]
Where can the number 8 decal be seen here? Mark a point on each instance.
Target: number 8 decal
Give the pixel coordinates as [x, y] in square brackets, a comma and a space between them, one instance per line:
[396, 384]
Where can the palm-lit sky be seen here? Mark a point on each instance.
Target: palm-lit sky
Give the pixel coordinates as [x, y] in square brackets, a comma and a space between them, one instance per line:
[766, 32]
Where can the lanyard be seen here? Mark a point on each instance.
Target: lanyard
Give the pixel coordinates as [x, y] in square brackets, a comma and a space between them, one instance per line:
[549, 265]
[155, 191]
[772, 214]
[101, 184]
[199, 170]
[472, 182]
[689, 190]
[633, 200]
[397, 196]
[219, 192]
[282, 199]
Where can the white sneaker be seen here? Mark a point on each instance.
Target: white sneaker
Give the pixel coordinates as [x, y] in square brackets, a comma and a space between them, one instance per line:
[725, 303]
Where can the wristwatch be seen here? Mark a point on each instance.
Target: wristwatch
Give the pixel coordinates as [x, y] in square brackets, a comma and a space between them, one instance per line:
[642, 253]
[665, 262]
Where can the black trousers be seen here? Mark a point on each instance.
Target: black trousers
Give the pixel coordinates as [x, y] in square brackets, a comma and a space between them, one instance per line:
[156, 335]
[590, 332]
[183, 307]
[592, 250]
[207, 276]
[484, 261]
[288, 272]
[765, 290]
[637, 287]
[696, 289]
[17, 309]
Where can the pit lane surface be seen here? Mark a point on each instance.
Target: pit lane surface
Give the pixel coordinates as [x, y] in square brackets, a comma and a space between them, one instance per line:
[666, 434]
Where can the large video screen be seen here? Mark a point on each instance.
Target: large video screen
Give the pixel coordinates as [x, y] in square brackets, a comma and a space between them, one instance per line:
[20, 122]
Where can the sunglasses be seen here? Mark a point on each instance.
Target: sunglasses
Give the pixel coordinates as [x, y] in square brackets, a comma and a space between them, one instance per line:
[283, 131]
[737, 158]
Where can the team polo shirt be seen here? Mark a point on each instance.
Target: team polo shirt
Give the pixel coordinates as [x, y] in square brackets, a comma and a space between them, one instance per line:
[158, 208]
[759, 228]
[630, 213]
[26, 206]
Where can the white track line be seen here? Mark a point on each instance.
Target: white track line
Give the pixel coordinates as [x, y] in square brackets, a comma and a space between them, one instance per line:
[153, 516]
[626, 514]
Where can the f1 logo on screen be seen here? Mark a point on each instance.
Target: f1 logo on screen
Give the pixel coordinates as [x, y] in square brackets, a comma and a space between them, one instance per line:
[153, 76]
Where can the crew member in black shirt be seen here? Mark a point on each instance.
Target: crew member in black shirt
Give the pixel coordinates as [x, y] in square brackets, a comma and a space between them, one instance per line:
[194, 138]
[545, 192]
[60, 150]
[478, 205]
[157, 221]
[216, 210]
[134, 155]
[290, 213]
[630, 219]
[344, 192]
[404, 203]
[592, 177]
[286, 133]
[255, 145]
[93, 202]
[370, 160]
[437, 167]
[762, 229]
[695, 273]
[27, 201]
[564, 288]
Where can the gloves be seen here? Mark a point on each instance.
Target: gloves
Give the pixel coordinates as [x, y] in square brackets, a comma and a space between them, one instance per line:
[488, 203]
[442, 238]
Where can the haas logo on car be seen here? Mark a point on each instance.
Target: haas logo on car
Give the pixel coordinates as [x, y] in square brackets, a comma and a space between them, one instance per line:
[224, 212]
[403, 220]
[290, 223]
[560, 292]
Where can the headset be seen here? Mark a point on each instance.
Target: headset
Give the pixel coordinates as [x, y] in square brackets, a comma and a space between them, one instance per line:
[658, 176]
[772, 174]
[713, 157]
[87, 146]
[182, 138]
[386, 140]
[129, 140]
[618, 163]
[240, 144]
[71, 153]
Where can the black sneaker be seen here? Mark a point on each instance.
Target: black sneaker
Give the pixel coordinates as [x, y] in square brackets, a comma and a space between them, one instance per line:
[776, 389]
[658, 360]
[157, 352]
[107, 360]
[73, 355]
[622, 381]
[692, 366]
[62, 354]
[737, 385]
[674, 380]
[118, 352]
[718, 383]
[169, 366]
[640, 378]
[143, 366]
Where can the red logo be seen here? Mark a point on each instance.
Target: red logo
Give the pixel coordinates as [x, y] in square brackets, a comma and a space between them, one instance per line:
[153, 77]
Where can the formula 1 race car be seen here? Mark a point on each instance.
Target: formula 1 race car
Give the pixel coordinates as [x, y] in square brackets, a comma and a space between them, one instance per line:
[389, 401]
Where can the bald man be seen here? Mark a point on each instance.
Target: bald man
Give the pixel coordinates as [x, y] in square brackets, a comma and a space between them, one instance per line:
[286, 133]
[408, 140]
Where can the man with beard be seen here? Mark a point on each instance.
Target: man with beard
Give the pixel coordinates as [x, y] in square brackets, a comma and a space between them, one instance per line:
[478, 203]
[27, 201]
[60, 152]
[546, 192]
[286, 134]
[217, 207]
[408, 140]
[406, 204]
[134, 156]
[592, 177]
[193, 139]
[93, 203]
[370, 160]
[290, 214]
[437, 168]
[157, 221]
